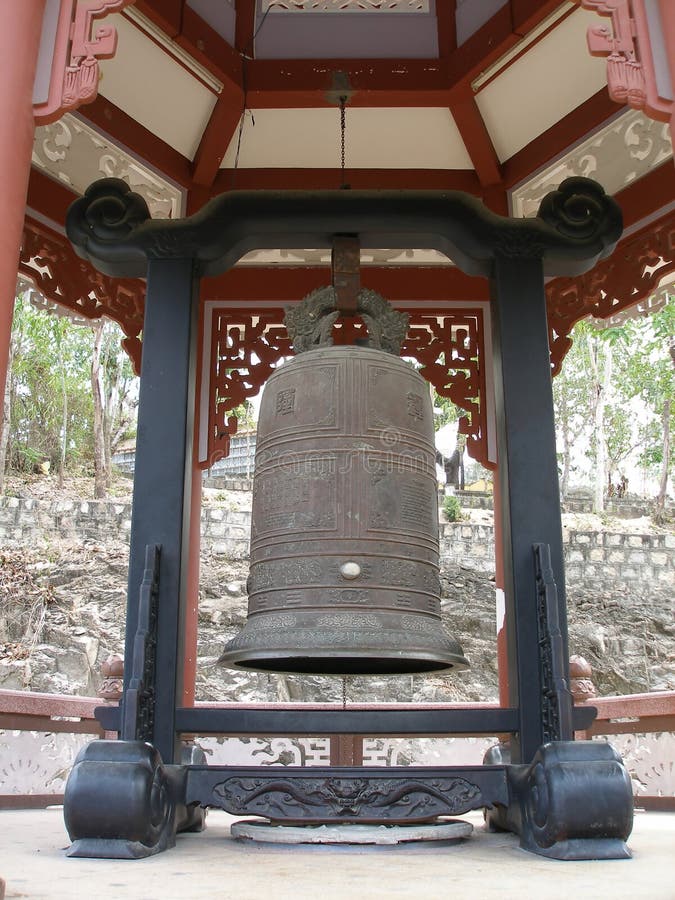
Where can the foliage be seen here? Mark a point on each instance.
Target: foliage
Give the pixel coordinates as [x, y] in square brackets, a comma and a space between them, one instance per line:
[245, 415]
[51, 401]
[445, 411]
[51, 409]
[452, 509]
[570, 397]
[614, 396]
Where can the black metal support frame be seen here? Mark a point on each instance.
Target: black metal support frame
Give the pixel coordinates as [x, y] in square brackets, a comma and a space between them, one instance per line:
[129, 798]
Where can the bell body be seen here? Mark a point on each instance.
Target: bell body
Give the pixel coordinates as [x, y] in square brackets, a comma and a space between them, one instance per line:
[344, 542]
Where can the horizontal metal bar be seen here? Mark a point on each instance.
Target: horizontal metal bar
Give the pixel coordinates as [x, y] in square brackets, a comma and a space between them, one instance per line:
[346, 721]
[250, 720]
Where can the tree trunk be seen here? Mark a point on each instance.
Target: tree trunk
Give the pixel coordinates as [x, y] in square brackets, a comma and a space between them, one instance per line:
[64, 408]
[602, 379]
[108, 417]
[6, 417]
[660, 508]
[100, 469]
[566, 447]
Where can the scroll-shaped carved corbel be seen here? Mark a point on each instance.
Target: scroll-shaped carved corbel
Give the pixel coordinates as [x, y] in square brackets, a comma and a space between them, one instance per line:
[100, 224]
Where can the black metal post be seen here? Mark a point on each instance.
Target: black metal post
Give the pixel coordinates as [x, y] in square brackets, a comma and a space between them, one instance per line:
[530, 501]
[162, 479]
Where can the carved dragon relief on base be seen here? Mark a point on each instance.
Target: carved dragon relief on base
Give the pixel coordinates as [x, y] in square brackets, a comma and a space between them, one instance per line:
[348, 799]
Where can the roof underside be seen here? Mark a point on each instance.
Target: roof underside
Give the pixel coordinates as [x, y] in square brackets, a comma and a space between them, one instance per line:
[500, 98]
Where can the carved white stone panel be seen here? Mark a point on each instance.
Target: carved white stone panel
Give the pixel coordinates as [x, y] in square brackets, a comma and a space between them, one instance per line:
[266, 751]
[32, 762]
[322, 258]
[650, 760]
[76, 154]
[426, 751]
[621, 152]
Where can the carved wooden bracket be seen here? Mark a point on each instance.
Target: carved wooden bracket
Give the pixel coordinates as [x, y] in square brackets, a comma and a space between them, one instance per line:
[630, 45]
[628, 276]
[49, 261]
[75, 54]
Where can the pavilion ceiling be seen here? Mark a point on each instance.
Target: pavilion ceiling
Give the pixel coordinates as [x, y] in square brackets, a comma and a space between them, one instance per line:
[498, 98]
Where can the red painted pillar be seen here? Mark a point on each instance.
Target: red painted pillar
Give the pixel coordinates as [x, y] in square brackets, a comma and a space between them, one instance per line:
[19, 43]
[667, 10]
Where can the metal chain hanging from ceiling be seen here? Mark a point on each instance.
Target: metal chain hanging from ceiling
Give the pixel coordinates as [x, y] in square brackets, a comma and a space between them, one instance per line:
[343, 131]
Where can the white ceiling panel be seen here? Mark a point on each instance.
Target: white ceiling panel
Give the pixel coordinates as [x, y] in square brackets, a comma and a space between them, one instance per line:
[156, 90]
[375, 138]
[541, 87]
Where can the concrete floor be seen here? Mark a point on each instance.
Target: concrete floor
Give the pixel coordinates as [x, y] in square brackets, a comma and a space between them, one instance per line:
[212, 864]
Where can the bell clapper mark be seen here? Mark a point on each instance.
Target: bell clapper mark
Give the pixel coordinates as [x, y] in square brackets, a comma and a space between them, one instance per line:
[344, 692]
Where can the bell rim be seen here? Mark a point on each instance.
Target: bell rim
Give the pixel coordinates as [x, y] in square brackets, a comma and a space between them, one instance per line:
[233, 660]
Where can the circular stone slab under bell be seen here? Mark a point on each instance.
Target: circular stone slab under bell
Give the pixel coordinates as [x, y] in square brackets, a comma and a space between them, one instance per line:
[263, 830]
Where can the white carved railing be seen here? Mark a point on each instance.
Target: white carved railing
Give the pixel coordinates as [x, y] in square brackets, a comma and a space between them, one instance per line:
[40, 735]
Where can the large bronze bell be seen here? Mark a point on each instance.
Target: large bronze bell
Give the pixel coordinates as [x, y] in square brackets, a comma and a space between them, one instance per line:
[344, 543]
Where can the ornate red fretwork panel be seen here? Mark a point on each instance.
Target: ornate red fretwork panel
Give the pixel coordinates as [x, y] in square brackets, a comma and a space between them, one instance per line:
[48, 260]
[451, 350]
[634, 269]
[245, 348]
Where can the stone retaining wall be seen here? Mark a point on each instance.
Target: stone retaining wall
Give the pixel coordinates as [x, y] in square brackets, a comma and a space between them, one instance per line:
[636, 558]
[25, 520]
[627, 508]
[228, 483]
[608, 556]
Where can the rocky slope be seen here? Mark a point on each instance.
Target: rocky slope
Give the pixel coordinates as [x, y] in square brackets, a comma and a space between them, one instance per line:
[62, 612]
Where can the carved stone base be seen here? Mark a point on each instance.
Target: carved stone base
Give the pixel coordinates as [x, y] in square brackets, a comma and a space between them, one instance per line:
[496, 816]
[574, 801]
[194, 817]
[121, 802]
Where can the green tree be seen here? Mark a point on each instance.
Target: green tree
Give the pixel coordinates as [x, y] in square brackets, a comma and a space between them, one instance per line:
[445, 411]
[651, 380]
[614, 395]
[115, 399]
[50, 401]
[570, 398]
[70, 394]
